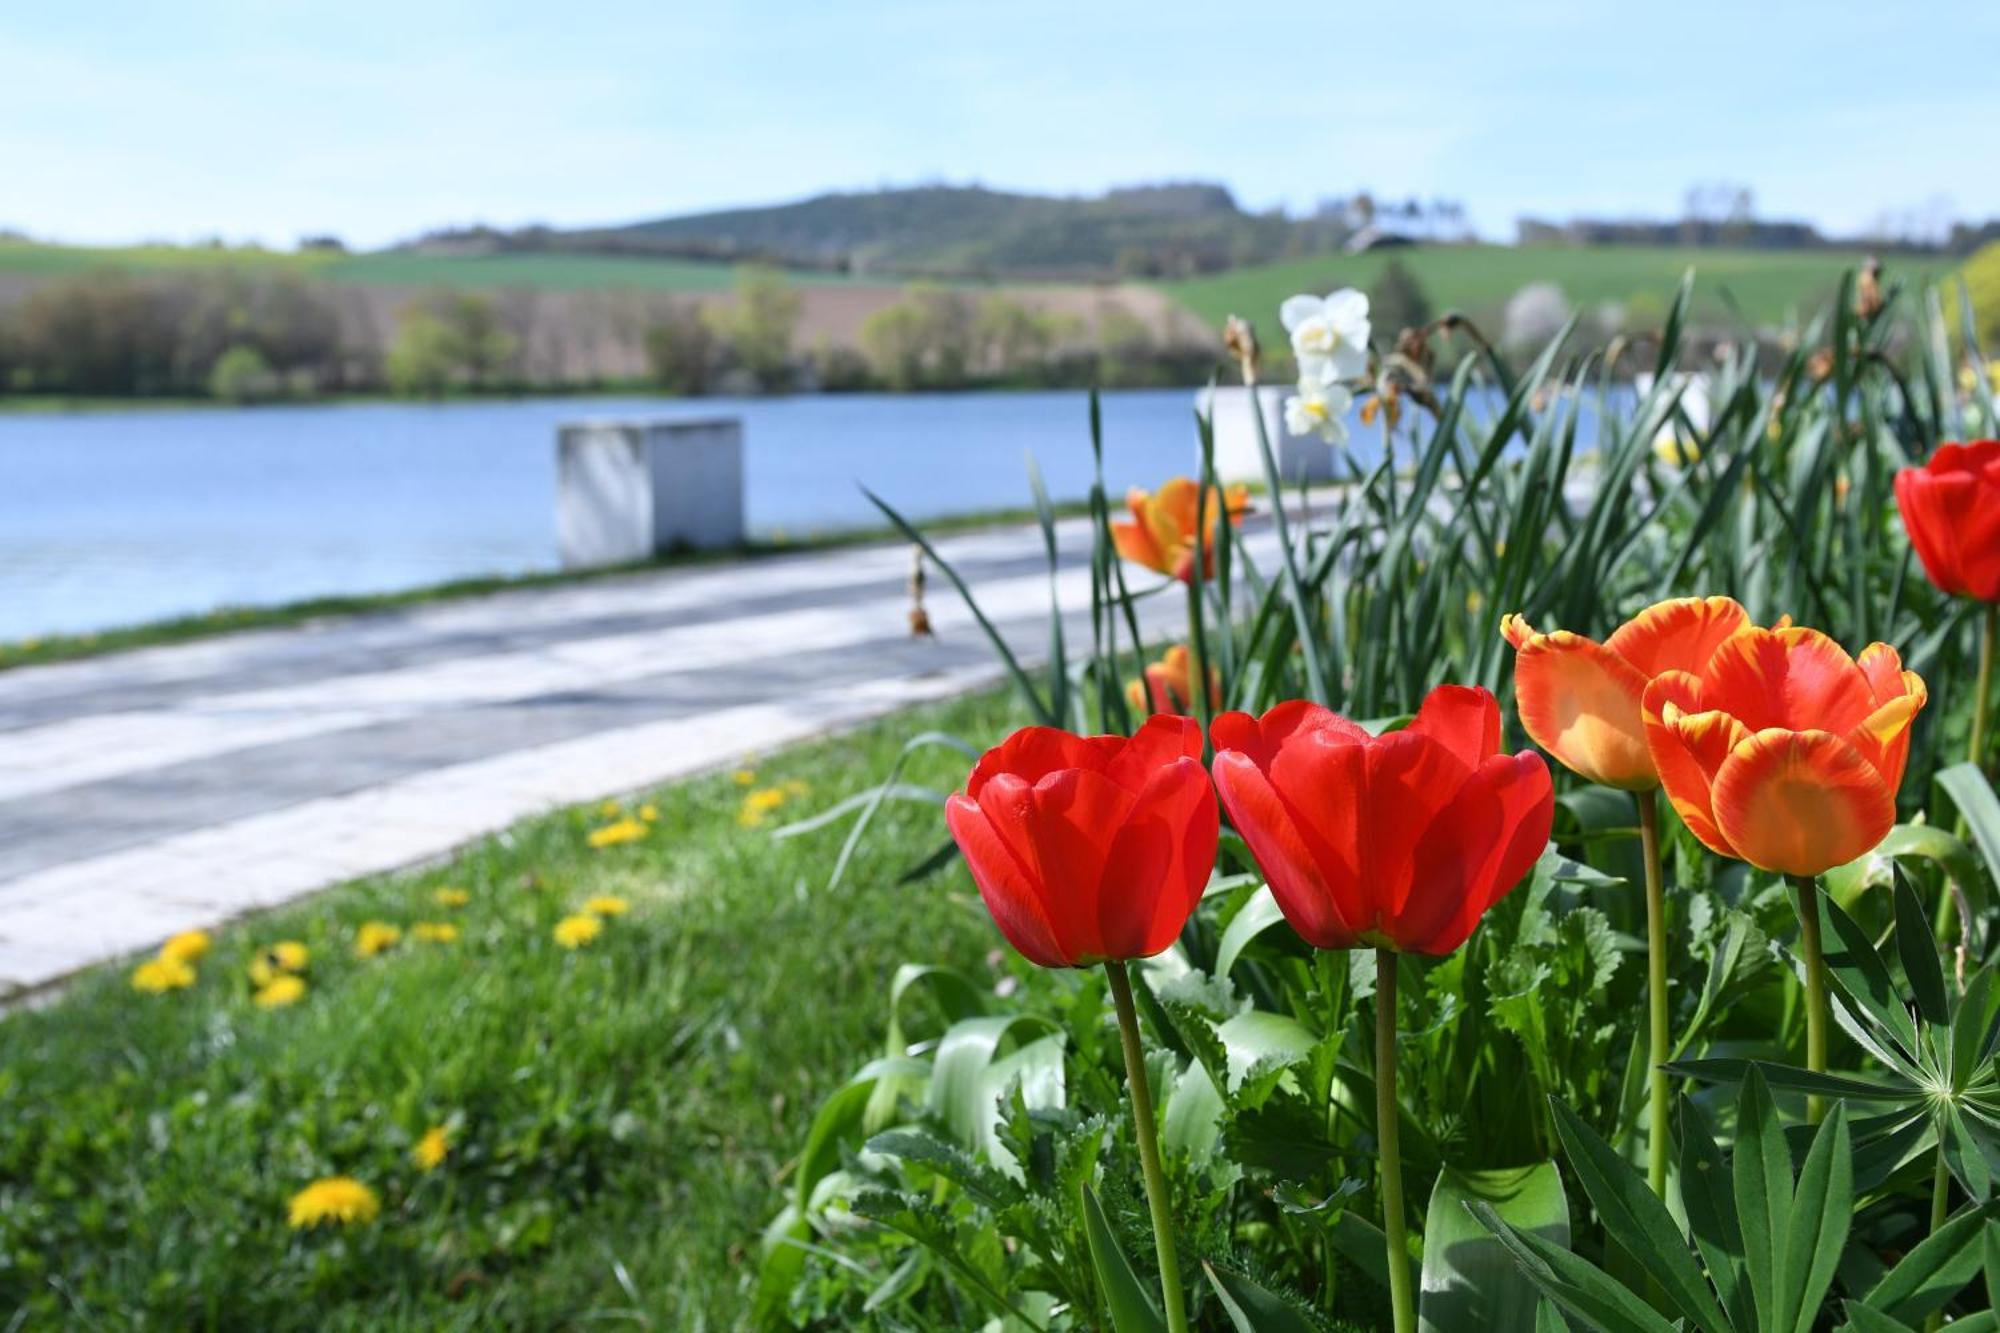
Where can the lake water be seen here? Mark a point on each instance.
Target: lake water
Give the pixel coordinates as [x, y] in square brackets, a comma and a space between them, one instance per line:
[114, 518]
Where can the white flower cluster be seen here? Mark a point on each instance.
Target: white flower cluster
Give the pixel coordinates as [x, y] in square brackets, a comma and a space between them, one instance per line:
[1330, 342]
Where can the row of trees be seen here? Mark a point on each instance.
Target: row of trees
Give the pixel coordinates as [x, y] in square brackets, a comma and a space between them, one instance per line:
[936, 337]
[258, 333]
[240, 335]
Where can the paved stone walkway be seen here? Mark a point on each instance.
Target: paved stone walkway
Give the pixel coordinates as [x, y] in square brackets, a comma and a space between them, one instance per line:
[158, 790]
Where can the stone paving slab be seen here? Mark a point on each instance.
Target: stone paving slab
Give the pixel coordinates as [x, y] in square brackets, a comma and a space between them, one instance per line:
[175, 787]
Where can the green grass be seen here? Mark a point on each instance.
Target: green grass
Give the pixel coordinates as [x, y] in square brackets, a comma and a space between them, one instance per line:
[550, 272]
[229, 619]
[622, 1114]
[1766, 285]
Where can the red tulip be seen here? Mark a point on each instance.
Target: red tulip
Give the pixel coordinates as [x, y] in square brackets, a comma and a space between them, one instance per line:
[1399, 841]
[1088, 848]
[1951, 509]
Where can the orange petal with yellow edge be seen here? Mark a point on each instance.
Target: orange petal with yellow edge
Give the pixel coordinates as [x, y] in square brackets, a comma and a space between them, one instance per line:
[1677, 635]
[1580, 702]
[1797, 679]
[1883, 739]
[1688, 743]
[1801, 802]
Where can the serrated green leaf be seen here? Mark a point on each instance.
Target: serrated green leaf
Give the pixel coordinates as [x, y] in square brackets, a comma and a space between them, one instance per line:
[1253, 1308]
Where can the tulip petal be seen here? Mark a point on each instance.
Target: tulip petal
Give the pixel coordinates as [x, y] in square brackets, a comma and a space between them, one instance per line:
[1496, 828]
[1516, 630]
[1411, 777]
[1060, 829]
[1034, 752]
[1580, 701]
[1158, 742]
[1677, 635]
[1688, 744]
[1934, 507]
[1445, 864]
[1465, 719]
[1883, 738]
[1159, 862]
[1298, 867]
[1134, 542]
[1261, 738]
[1796, 679]
[1801, 802]
[1005, 885]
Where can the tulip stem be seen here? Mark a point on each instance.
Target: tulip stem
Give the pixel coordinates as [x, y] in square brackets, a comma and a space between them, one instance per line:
[1656, 991]
[1388, 1145]
[1198, 700]
[1976, 752]
[1815, 961]
[1149, 1145]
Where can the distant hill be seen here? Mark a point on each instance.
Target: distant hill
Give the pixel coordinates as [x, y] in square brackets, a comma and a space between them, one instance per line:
[1149, 231]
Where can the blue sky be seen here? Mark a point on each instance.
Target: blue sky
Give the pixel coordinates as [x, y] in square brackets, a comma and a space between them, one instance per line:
[121, 121]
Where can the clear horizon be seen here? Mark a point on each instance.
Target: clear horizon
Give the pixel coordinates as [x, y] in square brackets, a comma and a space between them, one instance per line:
[227, 118]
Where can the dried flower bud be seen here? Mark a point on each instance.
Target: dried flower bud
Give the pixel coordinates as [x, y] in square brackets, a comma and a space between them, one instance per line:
[1819, 366]
[1868, 290]
[1241, 341]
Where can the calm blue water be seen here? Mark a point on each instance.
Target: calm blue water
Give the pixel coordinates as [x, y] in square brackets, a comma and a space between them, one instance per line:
[119, 517]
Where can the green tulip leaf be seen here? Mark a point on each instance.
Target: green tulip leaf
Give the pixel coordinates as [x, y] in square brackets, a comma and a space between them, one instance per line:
[1469, 1279]
[1132, 1308]
[1256, 1309]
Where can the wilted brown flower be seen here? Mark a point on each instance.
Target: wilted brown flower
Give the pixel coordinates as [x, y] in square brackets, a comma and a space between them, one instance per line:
[1241, 341]
[1819, 366]
[1868, 290]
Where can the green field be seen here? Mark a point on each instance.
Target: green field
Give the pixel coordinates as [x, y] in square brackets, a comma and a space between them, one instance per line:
[541, 272]
[1766, 286]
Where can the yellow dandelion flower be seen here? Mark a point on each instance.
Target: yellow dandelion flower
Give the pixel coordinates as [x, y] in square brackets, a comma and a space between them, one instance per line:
[611, 809]
[434, 932]
[758, 804]
[281, 958]
[429, 1151]
[376, 937]
[745, 777]
[340, 1199]
[573, 932]
[162, 974]
[613, 835]
[190, 946]
[609, 904]
[280, 991]
[649, 813]
[451, 898]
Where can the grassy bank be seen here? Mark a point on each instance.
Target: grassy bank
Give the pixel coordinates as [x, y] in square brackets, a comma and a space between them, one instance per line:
[1765, 286]
[227, 620]
[616, 1114]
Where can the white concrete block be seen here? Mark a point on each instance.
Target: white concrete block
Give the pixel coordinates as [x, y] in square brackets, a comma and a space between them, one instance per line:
[631, 490]
[1237, 457]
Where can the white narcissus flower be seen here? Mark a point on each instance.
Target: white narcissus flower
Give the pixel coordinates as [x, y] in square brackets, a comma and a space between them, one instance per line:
[1319, 407]
[1330, 336]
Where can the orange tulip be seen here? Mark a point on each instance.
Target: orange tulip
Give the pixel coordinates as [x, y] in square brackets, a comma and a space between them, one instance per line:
[1161, 532]
[1168, 687]
[1580, 699]
[1782, 750]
